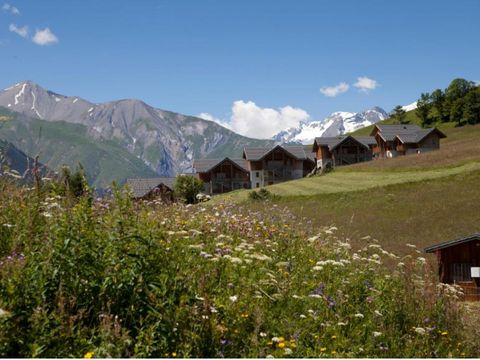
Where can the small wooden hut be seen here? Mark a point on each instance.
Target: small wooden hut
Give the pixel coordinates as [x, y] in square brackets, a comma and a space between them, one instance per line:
[459, 263]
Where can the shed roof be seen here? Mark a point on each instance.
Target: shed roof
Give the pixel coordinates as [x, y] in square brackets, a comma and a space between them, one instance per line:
[205, 165]
[258, 153]
[389, 132]
[142, 187]
[450, 243]
[413, 138]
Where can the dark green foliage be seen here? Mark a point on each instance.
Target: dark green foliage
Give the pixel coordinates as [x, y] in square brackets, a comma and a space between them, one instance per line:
[187, 188]
[399, 114]
[261, 195]
[459, 103]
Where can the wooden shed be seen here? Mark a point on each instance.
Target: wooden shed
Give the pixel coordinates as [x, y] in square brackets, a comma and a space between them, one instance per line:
[153, 188]
[459, 263]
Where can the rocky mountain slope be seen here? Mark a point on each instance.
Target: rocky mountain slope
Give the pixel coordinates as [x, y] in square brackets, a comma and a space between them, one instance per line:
[165, 142]
[337, 123]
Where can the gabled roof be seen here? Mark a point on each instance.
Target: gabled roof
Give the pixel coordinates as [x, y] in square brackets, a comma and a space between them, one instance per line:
[333, 142]
[407, 134]
[419, 136]
[141, 187]
[450, 243]
[205, 165]
[389, 132]
[258, 153]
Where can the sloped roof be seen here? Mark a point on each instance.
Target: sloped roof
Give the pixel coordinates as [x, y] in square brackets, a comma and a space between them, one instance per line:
[258, 153]
[141, 187]
[333, 142]
[450, 243]
[389, 132]
[418, 136]
[205, 165]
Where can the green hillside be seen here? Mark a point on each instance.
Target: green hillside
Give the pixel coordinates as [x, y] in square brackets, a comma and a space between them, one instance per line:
[418, 199]
[61, 143]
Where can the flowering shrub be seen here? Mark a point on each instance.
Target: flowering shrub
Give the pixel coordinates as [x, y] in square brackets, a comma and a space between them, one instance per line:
[118, 279]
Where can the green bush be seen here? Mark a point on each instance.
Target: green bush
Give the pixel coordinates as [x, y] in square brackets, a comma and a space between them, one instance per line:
[261, 195]
[187, 188]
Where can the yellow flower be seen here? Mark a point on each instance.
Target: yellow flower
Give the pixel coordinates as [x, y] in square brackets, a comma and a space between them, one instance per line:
[88, 355]
[323, 349]
[444, 333]
[281, 339]
[281, 345]
[334, 337]
[174, 354]
[334, 352]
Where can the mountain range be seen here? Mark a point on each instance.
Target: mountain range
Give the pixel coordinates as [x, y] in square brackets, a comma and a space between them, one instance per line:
[113, 140]
[337, 123]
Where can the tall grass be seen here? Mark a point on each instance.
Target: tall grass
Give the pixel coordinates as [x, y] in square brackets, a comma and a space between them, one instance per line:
[116, 278]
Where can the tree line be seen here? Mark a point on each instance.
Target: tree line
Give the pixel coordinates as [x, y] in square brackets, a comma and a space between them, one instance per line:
[458, 103]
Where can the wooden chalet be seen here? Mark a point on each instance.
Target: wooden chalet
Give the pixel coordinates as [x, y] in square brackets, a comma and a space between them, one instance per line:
[394, 140]
[221, 176]
[343, 150]
[153, 188]
[459, 263]
[268, 166]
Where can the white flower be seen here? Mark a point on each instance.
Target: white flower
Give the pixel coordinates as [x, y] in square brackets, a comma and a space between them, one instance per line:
[270, 357]
[3, 313]
[411, 246]
[262, 334]
[341, 323]
[275, 339]
[317, 268]
[302, 316]
[421, 260]
[287, 351]
[359, 316]
[420, 331]
[378, 313]
[377, 333]
[233, 298]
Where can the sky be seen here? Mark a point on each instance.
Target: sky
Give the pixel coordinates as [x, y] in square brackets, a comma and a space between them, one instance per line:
[255, 66]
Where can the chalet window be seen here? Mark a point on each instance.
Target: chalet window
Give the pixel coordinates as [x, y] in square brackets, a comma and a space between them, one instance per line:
[257, 174]
[460, 272]
[258, 185]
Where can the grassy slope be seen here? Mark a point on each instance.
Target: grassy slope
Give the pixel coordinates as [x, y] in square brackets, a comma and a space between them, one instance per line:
[60, 143]
[418, 199]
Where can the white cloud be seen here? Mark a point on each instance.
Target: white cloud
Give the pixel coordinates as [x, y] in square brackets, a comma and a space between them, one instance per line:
[332, 91]
[365, 84]
[44, 37]
[11, 9]
[210, 117]
[22, 31]
[248, 119]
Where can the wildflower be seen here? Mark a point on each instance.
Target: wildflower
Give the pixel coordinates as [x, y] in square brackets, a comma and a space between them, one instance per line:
[334, 337]
[377, 333]
[275, 339]
[444, 333]
[3, 313]
[262, 334]
[281, 345]
[323, 349]
[233, 298]
[420, 331]
[411, 246]
[88, 355]
[174, 354]
[302, 316]
[359, 316]
[421, 260]
[378, 313]
[287, 351]
[341, 323]
[270, 357]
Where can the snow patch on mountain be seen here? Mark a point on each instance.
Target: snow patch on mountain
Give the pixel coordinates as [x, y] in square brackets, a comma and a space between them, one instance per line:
[410, 107]
[337, 123]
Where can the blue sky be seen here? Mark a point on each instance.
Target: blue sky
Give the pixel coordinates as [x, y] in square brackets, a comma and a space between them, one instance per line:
[201, 56]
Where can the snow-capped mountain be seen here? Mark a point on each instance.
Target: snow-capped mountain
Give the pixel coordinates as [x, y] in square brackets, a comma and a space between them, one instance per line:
[410, 107]
[337, 123]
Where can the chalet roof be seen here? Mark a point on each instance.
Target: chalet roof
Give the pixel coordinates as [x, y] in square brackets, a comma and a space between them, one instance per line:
[418, 136]
[450, 243]
[142, 187]
[333, 142]
[389, 132]
[257, 153]
[205, 165]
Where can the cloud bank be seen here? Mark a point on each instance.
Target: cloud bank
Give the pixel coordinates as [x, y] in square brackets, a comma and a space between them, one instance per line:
[249, 119]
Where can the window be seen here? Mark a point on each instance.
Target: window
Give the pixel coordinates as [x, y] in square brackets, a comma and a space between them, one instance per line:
[460, 272]
[257, 185]
[257, 174]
